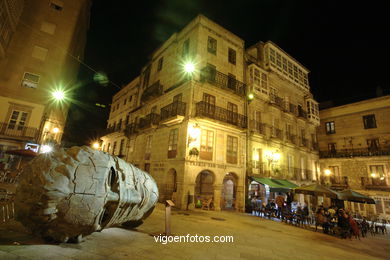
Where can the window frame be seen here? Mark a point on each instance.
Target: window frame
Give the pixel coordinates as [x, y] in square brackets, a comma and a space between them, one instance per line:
[330, 127]
[368, 120]
[173, 143]
[212, 45]
[232, 56]
[232, 149]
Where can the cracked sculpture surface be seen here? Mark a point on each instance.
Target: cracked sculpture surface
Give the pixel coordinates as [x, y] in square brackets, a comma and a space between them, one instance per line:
[70, 193]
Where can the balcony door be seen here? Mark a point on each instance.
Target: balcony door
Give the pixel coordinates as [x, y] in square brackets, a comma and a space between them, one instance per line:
[232, 114]
[209, 104]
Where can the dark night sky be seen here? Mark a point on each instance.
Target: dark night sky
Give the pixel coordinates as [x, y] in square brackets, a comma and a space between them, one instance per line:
[345, 46]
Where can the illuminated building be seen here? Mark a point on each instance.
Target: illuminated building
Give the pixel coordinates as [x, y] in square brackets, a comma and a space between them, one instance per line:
[40, 42]
[188, 121]
[354, 142]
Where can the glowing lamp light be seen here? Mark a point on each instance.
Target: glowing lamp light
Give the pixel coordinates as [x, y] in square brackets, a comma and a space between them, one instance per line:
[374, 175]
[251, 96]
[95, 145]
[194, 132]
[382, 178]
[55, 130]
[189, 67]
[327, 172]
[276, 156]
[46, 148]
[58, 95]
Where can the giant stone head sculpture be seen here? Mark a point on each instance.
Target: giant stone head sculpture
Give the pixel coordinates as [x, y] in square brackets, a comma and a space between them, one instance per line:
[73, 192]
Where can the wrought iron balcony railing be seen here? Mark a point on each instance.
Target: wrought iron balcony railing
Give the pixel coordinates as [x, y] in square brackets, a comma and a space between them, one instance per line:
[149, 120]
[302, 113]
[153, 91]
[173, 109]
[362, 152]
[204, 109]
[223, 81]
[375, 184]
[131, 129]
[277, 133]
[15, 130]
[278, 101]
[258, 127]
[291, 138]
[292, 108]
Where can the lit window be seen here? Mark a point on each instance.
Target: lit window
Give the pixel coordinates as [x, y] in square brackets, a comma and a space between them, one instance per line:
[30, 80]
[231, 149]
[172, 143]
[330, 127]
[206, 145]
[18, 120]
[272, 55]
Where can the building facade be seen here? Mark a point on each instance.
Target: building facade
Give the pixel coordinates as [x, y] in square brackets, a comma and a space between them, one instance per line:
[41, 43]
[354, 142]
[195, 131]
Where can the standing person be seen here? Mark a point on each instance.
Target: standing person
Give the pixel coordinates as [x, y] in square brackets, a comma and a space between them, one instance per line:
[280, 202]
[343, 223]
[354, 228]
[319, 218]
[364, 226]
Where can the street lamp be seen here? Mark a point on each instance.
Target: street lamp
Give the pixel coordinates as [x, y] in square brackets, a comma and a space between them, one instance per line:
[189, 67]
[58, 95]
[55, 130]
[95, 145]
[327, 172]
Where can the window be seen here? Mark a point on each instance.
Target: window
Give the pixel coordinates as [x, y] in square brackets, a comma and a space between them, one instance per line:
[147, 167]
[209, 103]
[373, 144]
[232, 115]
[284, 60]
[369, 121]
[332, 148]
[130, 98]
[18, 120]
[172, 143]
[39, 53]
[160, 64]
[108, 147]
[272, 55]
[210, 72]
[278, 60]
[121, 146]
[231, 149]
[30, 80]
[127, 120]
[206, 145]
[232, 56]
[49, 28]
[177, 98]
[146, 77]
[335, 177]
[377, 175]
[148, 147]
[232, 83]
[212, 45]
[330, 127]
[125, 101]
[186, 48]
[56, 5]
[114, 148]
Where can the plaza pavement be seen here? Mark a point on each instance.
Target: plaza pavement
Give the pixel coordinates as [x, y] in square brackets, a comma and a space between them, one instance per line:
[254, 238]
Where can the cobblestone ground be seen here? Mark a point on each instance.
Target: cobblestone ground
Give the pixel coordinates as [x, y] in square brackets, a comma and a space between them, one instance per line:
[254, 238]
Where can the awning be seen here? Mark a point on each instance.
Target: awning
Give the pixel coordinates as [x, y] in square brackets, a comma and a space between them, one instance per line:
[354, 196]
[275, 185]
